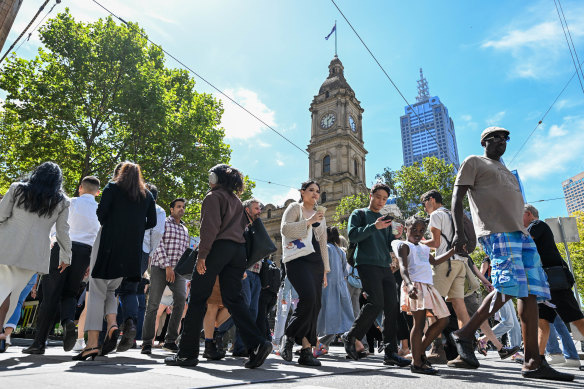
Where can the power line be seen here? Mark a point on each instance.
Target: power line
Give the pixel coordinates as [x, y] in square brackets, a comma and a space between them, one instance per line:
[273, 183]
[544, 115]
[571, 46]
[42, 7]
[539, 201]
[393, 83]
[37, 26]
[201, 77]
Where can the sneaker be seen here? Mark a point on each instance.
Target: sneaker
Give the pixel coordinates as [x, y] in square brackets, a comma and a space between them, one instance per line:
[259, 354]
[465, 348]
[571, 363]
[506, 352]
[175, 360]
[172, 347]
[79, 345]
[146, 349]
[286, 345]
[546, 372]
[392, 359]
[307, 359]
[555, 359]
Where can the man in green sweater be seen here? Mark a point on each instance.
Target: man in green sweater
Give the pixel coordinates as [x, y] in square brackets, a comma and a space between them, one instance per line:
[373, 235]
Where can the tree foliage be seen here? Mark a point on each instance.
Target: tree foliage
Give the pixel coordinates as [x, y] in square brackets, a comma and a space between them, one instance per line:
[99, 93]
[347, 205]
[409, 182]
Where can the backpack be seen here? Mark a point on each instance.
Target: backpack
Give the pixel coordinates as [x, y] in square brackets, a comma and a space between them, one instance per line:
[469, 233]
[270, 276]
[353, 246]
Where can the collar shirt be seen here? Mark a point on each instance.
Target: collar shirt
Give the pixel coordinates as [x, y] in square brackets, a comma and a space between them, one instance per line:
[175, 241]
[83, 223]
[153, 236]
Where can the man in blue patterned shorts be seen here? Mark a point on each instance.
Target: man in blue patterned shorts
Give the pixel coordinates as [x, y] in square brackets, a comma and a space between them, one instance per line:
[496, 205]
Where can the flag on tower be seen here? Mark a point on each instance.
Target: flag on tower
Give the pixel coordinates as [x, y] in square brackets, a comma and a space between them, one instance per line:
[331, 33]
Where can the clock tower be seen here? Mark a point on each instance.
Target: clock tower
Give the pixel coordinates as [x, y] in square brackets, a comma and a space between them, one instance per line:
[336, 152]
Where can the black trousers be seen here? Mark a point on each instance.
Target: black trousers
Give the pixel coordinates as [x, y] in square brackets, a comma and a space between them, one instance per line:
[61, 287]
[226, 259]
[306, 275]
[380, 287]
[266, 302]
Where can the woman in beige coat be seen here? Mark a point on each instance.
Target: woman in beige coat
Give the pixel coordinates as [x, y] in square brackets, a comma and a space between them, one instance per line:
[27, 212]
[301, 226]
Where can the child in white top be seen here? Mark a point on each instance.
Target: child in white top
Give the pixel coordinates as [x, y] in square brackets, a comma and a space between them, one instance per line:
[419, 297]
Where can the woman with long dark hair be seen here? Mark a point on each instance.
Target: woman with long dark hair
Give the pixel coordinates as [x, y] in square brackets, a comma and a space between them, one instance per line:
[27, 212]
[125, 211]
[221, 253]
[304, 227]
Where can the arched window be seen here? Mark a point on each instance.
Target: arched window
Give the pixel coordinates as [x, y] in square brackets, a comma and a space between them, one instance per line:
[323, 197]
[269, 213]
[326, 165]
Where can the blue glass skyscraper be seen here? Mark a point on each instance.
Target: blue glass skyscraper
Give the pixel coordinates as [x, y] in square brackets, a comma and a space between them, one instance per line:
[427, 130]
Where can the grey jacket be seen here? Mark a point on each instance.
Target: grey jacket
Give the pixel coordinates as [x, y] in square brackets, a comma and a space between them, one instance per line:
[24, 236]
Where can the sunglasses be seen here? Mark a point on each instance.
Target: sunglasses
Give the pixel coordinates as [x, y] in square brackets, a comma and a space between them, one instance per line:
[505, 138]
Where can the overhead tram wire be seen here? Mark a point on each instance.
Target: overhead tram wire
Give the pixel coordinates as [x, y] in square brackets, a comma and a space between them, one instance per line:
[42, 7]
[423, 122]
[539, 201]
[273, 183]
[37, 26]
[575, 61]
[544, 115]
[201, 77]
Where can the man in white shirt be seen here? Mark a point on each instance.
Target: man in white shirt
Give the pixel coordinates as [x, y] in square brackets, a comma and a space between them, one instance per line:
[133, 302]
[62, 284]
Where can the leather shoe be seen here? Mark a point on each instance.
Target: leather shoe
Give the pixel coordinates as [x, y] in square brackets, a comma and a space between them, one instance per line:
[393, 359]
[69, 335]
[34, 349]
[546, 372]
[128, 336]
[349, 343]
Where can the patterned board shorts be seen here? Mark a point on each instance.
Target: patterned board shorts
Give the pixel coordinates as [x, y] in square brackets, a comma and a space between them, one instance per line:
[516, 265]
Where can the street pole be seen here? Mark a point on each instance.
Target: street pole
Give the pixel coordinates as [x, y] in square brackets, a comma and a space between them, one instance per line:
[568, 257]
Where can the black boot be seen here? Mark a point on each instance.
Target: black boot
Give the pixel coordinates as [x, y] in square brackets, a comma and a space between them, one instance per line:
[307, 359]
[211, 351]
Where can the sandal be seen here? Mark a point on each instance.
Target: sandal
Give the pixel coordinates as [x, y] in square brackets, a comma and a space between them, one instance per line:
[111, 340]
[482, 345]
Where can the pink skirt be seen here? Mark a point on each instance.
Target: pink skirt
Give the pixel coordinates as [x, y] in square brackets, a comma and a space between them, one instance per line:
[428, 298]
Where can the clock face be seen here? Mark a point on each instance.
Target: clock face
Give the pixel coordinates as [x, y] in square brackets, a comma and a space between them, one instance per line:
[327, 120]
[352, 123]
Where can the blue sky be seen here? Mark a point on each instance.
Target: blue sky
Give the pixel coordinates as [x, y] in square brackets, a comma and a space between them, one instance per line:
[498, 62]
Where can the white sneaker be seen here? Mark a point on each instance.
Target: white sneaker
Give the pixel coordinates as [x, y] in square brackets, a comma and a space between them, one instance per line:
[555, 359]
[572, 363]
[8, 341]
[79, 345]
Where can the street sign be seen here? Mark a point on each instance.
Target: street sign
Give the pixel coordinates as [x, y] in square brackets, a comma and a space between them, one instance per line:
[570, 229]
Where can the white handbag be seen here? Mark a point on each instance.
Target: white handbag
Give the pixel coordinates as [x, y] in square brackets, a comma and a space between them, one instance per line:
[294, 248]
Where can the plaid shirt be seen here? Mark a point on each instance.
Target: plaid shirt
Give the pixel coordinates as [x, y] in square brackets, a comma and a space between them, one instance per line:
[174, 242]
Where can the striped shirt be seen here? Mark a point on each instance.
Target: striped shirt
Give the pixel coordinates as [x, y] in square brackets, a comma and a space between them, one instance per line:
[174, 242]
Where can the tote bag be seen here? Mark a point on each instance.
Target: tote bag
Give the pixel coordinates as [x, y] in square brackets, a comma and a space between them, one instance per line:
[294, 248]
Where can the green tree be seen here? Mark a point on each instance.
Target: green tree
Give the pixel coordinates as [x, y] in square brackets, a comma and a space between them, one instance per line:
[576, 252]
[409, 182]
[99, 93]
[347, 205]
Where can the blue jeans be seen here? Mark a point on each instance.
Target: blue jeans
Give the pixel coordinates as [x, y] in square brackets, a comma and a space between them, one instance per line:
[508, 323]
[15, 318]
[250, 288]
[128, 294]
[553, 347]
[141, 313]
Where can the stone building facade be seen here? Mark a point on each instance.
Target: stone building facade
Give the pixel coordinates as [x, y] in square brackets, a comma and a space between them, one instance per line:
[336, 151]
[8, 11]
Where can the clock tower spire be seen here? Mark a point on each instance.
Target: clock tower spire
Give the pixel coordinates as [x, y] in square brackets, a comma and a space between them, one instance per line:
[336, 151]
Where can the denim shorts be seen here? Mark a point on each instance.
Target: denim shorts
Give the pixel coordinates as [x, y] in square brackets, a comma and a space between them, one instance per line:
[516, 265]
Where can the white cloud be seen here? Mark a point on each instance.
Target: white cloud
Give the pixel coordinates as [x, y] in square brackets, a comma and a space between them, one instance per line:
[280, 199]
[496, 118]
[554, 151]
[240, 124]
[536, 41]
[279, 162]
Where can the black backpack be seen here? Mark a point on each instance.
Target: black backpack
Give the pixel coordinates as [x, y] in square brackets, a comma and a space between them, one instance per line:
[270, 276]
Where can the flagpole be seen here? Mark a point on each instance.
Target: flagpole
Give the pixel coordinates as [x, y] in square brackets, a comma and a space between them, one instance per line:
[335, 38]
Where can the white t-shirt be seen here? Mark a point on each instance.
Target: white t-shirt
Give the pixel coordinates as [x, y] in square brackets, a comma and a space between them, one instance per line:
[419, 266]
[441, 220]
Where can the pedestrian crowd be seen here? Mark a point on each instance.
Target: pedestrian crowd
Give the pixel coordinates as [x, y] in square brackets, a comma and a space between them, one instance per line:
[113, 272]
